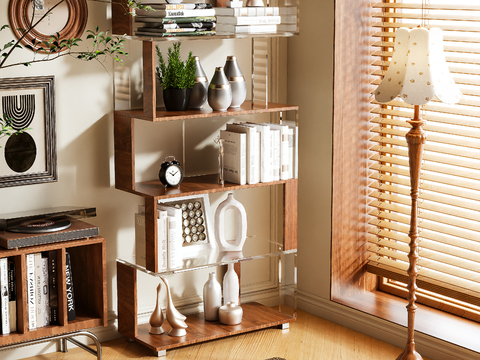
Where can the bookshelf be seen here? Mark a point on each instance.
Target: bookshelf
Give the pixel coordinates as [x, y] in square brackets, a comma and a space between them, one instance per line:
[256, 316]
[88, 259]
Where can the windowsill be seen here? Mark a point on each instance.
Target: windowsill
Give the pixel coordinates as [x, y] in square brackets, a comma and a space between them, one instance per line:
[429, 321]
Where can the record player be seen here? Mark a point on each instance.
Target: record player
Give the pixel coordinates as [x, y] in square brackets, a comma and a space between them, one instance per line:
[45, 226]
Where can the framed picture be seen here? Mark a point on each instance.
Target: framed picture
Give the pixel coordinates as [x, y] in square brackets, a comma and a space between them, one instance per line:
[28, 157]
[197, 226]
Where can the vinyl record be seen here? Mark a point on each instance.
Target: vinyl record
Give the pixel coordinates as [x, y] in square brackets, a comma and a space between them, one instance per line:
[40, 226]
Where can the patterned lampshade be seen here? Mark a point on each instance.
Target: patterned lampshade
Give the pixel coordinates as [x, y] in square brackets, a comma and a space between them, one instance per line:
[418, 71]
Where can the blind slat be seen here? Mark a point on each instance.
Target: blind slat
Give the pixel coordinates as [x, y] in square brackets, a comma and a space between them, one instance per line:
[464, 7]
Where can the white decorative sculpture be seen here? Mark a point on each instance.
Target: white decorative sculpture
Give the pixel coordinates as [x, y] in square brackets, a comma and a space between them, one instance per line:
[241, 217]
[174, 318]
[157, 319]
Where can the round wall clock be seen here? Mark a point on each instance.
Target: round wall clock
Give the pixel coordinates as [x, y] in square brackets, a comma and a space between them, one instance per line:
[68, 19]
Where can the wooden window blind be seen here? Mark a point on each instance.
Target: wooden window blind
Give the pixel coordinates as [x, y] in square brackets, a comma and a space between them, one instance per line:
[449, 209]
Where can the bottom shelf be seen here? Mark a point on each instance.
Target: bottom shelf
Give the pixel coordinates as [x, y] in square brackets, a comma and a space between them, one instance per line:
[255, 317]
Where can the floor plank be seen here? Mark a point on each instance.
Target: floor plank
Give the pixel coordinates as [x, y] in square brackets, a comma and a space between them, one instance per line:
[309, 338]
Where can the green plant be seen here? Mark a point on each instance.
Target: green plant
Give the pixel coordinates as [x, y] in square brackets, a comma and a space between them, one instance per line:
[177, 74]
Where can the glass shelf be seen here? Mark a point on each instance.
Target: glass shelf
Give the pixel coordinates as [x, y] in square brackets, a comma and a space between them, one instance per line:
[214, 37]
[214, 257]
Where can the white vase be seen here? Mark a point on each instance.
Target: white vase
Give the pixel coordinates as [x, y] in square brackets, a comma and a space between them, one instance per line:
[212, 298]
[231, 286]
[241, 216]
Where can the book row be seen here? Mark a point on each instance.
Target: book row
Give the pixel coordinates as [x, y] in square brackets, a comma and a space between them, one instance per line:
[42, 291]
[262, 152]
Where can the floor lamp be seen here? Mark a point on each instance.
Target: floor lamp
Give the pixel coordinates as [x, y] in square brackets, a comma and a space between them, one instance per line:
[417, 73]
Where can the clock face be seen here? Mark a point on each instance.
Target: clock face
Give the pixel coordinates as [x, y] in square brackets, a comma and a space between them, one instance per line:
[173, 175]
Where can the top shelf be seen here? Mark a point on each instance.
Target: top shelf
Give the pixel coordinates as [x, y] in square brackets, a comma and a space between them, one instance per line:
[207, 112]
[215, 36]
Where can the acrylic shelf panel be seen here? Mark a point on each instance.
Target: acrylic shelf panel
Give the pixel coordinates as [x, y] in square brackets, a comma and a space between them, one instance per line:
[244, 109]
[214, 257]
[218, 36]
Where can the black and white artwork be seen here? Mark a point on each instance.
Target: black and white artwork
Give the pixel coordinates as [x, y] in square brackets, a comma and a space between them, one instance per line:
[28, 156]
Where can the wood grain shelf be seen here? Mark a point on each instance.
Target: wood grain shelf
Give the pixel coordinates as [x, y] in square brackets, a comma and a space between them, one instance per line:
[195, 185]
[255, 317]
[163, 115]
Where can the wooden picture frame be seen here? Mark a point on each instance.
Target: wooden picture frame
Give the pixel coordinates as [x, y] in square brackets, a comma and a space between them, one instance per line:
[29, 157]
[191, 249]
[69, 20]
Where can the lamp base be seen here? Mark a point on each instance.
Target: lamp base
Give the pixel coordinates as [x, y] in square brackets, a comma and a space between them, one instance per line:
[409, 354]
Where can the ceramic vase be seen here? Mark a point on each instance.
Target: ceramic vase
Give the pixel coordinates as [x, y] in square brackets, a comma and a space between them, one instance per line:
[157, 319]
[219, 91]
[237, 81]
[230, 314]
[176, 99]
[212, 298]
[241, 216]
[231, 286]
[199, 93]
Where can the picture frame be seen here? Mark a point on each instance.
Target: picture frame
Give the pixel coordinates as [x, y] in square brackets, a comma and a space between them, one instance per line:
[190, 247]
[28, 157]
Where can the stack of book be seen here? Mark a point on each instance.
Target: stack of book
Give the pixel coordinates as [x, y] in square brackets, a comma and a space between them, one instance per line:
[260, 152]
[247, 20]
[176, 20]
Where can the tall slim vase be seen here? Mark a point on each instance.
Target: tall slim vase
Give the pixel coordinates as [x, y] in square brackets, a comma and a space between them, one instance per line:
[231, 286]
[212, 298]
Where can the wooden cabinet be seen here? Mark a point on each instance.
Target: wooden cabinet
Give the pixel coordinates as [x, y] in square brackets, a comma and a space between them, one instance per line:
[256, 316]
[88, 260]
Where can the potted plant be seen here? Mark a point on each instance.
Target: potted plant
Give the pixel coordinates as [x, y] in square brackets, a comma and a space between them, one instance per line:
[177, 78]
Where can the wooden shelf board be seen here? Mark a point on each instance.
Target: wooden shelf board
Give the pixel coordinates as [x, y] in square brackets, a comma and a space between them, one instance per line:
[207, 112]
[194, 185]
[255, 317]
[52, 246]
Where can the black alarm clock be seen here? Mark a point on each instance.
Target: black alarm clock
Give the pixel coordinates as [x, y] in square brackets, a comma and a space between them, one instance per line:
[171, 173]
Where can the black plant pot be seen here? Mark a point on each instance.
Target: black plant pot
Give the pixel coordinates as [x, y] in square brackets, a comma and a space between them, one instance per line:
[176, 99]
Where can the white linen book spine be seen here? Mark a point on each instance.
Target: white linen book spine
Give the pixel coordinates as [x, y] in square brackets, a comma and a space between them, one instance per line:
[275, 153]
[292, 125]
[253, 157]
[162, 240]
[248, 20]
[234, 158]
[248, 11]
[174, 235]
[263, 28]
[38, 290]
[32, 318]
[45, 292]
[284, 164]
[4, 296]
[266, 160]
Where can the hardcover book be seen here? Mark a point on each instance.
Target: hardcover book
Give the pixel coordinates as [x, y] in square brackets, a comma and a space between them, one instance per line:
[186, 33]
[284, 162]
[266, 159]
[4, 306]
[71, 312]
[180, 20]
[39, 291]
[45, 292]
[234, 159]
[12, 296]
[265, 28]
[174, 235]
[32, 315]
[253, 157]
[155, 7]
[53, 286]
[140, 246]
[176, 13]
[248, 20]
[248, 11]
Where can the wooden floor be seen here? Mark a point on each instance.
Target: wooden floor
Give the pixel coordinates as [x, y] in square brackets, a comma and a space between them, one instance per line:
[309, 338]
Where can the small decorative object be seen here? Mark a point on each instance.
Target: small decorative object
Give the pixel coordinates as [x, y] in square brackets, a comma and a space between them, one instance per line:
[174, 318]
[197, 226]
[177, 78]
[255, 3]
[237, 81]
[219, 141]
[219, 91]
[234, 4]
[199, 93]
[231, 286]
[212, 298]
[241, 217]
[171, 173]
[230, 314]
[157, 319]
[174, 1]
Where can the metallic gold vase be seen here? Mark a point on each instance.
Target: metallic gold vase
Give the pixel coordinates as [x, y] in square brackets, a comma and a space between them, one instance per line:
[237, 81]
[198, 95]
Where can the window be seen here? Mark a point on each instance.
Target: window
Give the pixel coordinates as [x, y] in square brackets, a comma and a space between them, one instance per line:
[449, 216]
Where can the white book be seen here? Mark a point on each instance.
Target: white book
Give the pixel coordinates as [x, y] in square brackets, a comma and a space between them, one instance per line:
[292, 125]
[253, 157]
[174, 235]
[4, 296]
[284, 167]
[32, 315]
[38, 290]
[162, 238]
[275, 152]
[45, 292]
[163, 6]
[248, 20]
[175, 13]
[248, 11]
[243, 29]
[266, 159]
[234, 157]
